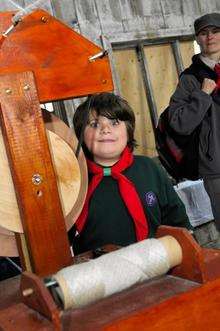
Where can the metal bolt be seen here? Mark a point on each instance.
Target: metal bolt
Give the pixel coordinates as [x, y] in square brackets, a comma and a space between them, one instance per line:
[44, 19]
[26, 87]
[8, 91]
[37, 179]
[27, 292]
[98, 55]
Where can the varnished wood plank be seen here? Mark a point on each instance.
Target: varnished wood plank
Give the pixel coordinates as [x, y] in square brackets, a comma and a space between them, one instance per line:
[28, 153]
[9, 290]
[22, 318]
[126, 304]
[108, 311]
[58, 56]
[197, 309]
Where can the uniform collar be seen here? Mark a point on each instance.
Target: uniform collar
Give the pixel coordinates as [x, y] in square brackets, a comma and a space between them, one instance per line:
[209, 62]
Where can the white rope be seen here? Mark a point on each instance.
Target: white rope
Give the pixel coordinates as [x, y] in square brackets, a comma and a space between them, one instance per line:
[87, 282]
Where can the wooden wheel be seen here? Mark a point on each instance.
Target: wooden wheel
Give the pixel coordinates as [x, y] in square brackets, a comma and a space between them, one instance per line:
[71, 176]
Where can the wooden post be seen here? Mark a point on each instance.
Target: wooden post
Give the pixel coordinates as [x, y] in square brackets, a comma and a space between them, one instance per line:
[33, 174]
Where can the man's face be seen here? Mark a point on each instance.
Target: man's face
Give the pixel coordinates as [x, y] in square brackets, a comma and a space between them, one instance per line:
[209, 41]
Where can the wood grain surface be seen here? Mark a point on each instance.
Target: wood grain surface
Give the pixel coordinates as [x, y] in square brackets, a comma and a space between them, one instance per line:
[58, 56]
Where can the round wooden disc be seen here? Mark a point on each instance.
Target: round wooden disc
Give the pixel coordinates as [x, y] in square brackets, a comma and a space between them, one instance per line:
[71, 181]
[8, 245]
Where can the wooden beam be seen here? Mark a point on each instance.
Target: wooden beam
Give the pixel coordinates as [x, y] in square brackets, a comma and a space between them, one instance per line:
[33, 174]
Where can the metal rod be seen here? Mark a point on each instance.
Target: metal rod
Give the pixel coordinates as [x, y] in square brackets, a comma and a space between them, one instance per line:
[106, 44]
[50, 282]
[147, 85]
[14, 264]
[5, 34]
[60, 111]
[98, 56]
[117, 45]
[177, 56]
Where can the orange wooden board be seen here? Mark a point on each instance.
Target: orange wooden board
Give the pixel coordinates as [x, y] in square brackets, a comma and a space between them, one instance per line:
[111, 312]
[58, 56]
[197, 309]
[29, 158]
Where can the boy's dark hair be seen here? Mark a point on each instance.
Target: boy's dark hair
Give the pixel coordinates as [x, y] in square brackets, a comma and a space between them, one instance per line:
[109, 105]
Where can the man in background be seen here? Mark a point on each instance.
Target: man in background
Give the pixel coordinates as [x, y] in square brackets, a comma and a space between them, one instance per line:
[196, 102]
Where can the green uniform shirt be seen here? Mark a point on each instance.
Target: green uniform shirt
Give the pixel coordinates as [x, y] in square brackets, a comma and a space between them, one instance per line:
[109, 221]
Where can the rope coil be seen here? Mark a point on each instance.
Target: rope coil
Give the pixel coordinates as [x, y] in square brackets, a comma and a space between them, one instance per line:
[84, 283]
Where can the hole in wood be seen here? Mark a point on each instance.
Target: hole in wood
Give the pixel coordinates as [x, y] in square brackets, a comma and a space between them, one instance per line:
[39, 193]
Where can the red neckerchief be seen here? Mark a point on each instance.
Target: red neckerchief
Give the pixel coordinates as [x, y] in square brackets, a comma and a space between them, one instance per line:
[217, 70]
[127, 191]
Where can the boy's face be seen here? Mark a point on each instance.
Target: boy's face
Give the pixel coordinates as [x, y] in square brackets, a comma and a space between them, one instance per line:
[105, 138]
[209, 40]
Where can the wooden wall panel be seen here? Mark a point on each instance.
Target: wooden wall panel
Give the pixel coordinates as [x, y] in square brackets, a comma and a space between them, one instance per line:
[10, 5]
[46, 5]
[7, 5]
[126, 20]
[88, 19]
[113, 23]
[164, 78]
[187, 51]
[163, 73]
[209, 6]
[66, 11]
[132, 90]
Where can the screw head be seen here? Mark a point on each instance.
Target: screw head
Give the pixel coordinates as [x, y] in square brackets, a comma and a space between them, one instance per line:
[44, 19]
[26, 87]
[8, 91]
[37, 179]
[27, 292]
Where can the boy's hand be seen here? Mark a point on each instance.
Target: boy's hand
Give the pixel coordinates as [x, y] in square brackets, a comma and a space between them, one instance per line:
[208, 85]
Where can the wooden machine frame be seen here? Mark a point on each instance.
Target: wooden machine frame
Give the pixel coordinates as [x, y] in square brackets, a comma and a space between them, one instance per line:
[43, 60]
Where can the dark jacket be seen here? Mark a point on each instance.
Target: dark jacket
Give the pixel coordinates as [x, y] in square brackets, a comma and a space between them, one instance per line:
[190, 107]
[109, 221]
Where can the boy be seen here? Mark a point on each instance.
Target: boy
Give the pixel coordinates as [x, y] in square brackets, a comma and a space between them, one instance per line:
[129, 196]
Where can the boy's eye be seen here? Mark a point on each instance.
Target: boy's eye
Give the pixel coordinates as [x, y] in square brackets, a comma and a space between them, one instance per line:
[93, 124]
[115, 121]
